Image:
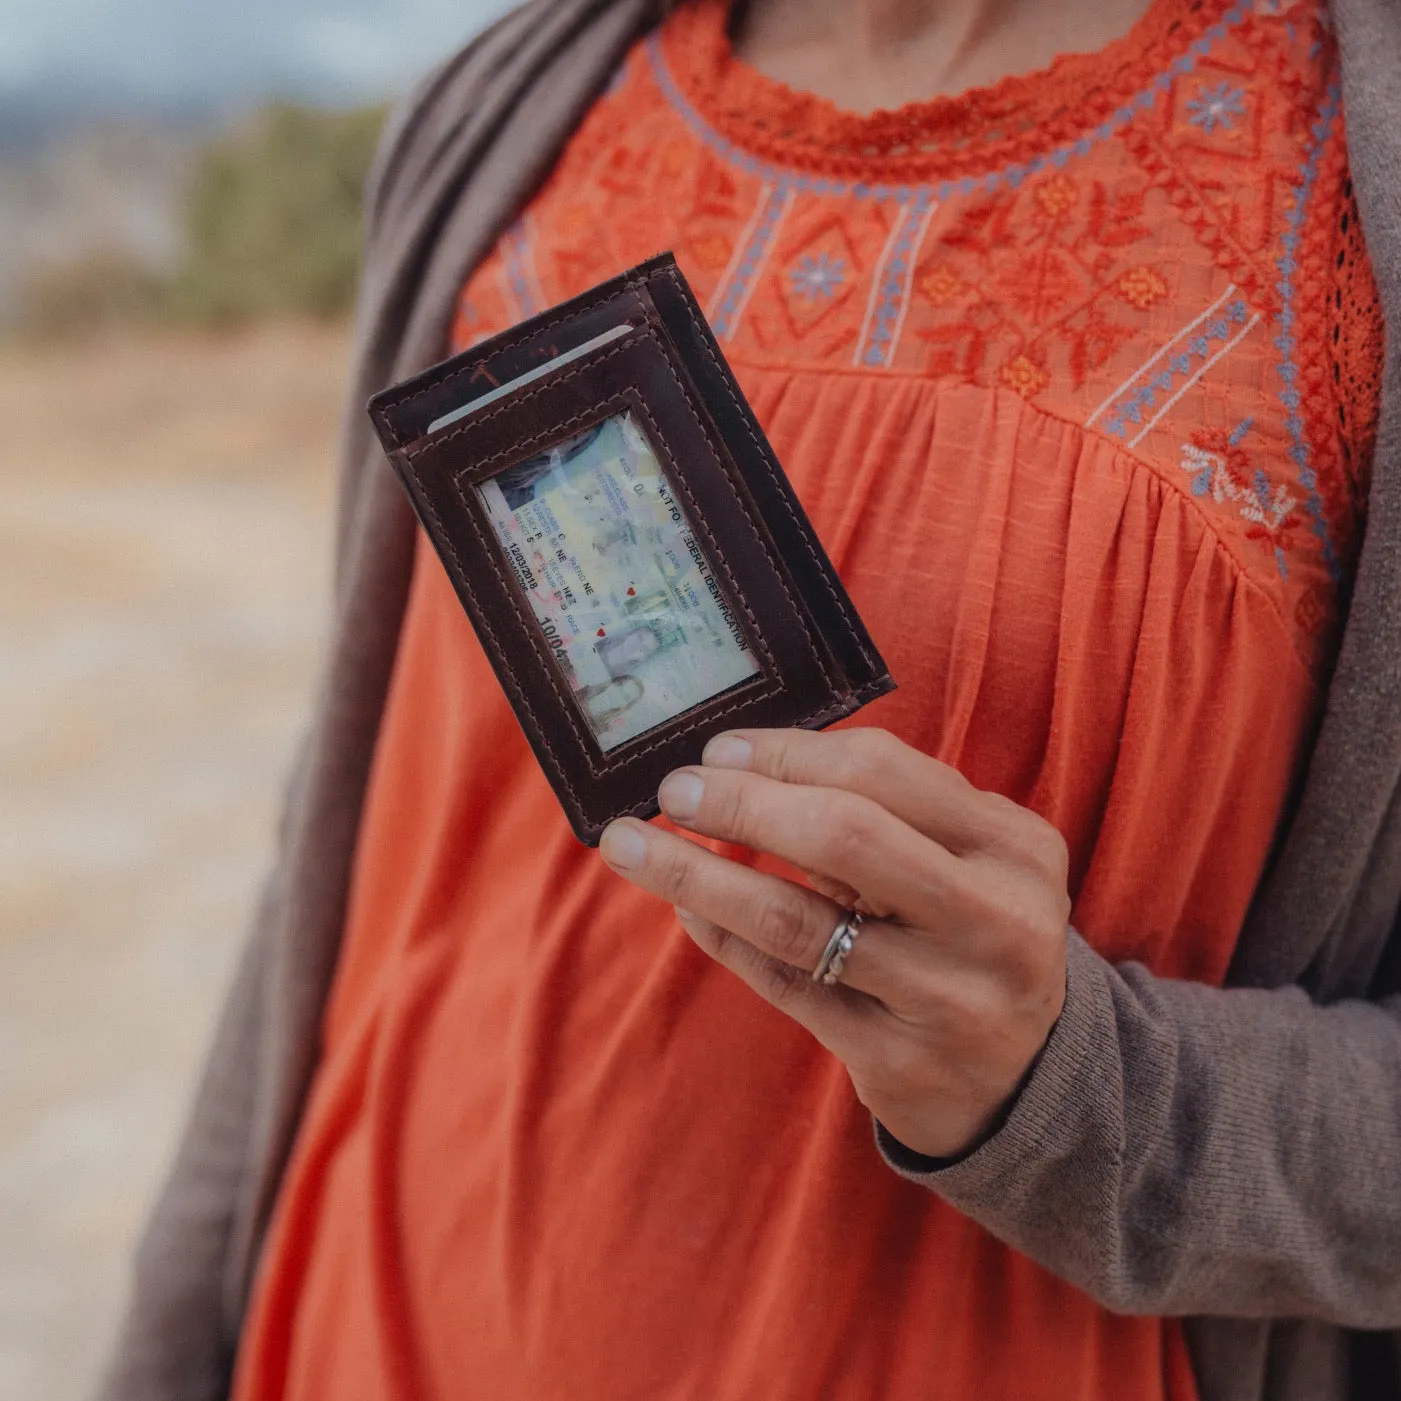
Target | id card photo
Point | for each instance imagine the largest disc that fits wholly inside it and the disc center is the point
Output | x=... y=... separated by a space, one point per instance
x=635 y=618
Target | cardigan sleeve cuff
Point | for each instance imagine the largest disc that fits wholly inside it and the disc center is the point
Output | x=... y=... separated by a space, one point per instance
x=1019 y=1138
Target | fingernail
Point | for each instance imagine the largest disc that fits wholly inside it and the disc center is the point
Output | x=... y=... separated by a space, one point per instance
x=680 y=795
x=623 y=846
x=728 y=752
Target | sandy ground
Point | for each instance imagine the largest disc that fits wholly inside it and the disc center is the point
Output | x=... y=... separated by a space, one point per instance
x=164 y=569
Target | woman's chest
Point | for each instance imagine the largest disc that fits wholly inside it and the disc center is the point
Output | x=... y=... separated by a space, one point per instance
x=1184 y=281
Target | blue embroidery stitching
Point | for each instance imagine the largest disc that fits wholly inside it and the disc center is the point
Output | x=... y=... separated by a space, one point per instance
x=1218 y=106
x=1267 y=506
x=737 y=293
x=817 y=279
x=1130 y=409
x=1285 y=342
x=1202 y=480
x=894 y=287
x=787 y=182
x=515 y=250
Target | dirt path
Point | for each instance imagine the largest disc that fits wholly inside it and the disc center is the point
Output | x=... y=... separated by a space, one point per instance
x=164 y=533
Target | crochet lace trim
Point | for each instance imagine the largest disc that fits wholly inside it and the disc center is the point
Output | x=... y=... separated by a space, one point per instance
x=978 y=130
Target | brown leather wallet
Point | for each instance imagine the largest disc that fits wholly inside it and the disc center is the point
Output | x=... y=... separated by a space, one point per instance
x=624 y=541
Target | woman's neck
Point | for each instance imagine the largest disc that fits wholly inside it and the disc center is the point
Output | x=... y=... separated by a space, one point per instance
x=869 y=54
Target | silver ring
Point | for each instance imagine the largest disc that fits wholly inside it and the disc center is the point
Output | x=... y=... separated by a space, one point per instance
x=838 y=950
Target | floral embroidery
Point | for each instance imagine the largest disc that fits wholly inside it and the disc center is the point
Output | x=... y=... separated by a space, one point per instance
x=1220 y=468
x=1141 y=254
x=1218 y=106
x=943 y=286
x=1038 y=274
x=1057 y=196
x=817 y=279
x=1027 y=378
x=1140 y=287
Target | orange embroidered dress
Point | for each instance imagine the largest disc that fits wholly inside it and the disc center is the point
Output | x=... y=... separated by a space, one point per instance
x=1072 y=376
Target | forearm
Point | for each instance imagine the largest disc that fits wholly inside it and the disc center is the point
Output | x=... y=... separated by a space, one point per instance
x=1181 y=1149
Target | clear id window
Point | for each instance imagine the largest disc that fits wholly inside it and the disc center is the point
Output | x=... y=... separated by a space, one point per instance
x=625 y=595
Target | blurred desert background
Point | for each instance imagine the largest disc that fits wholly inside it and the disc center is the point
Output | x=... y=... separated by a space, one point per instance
x=178 y=245
x=163 y=586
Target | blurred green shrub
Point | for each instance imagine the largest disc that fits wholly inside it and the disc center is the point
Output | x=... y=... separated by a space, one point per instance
x=273 y=218
x=270 y=226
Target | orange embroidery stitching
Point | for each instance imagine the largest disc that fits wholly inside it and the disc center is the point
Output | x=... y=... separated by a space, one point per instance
x=1153 y=242
x=1026 y=378
x=1140 y=287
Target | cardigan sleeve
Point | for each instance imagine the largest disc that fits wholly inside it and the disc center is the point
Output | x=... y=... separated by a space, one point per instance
x=175 y=1344
x=1183 y=1149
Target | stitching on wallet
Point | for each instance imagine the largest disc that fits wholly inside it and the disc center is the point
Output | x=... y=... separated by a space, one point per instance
x=837 y=710
x=787 y=505
x=528 y=626
x=689 y=727
x=535 y=328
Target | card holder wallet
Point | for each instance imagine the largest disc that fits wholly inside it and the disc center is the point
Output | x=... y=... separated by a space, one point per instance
x=624 y=541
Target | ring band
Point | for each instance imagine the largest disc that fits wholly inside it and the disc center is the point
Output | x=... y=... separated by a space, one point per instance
x=838 y=950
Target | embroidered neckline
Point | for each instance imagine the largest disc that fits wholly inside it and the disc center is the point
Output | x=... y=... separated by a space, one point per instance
x=982 y=129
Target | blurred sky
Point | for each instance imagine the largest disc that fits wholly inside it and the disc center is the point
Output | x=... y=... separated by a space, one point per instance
x=93 y=57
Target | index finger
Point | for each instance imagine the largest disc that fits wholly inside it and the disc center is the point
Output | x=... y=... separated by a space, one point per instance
x=932 y=797
x=840 y=835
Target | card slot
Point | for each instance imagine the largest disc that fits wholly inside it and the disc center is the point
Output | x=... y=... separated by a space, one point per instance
x=567 y=357
x=404 y=414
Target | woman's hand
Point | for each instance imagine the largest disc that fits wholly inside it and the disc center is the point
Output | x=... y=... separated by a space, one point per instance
x=958 y=973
